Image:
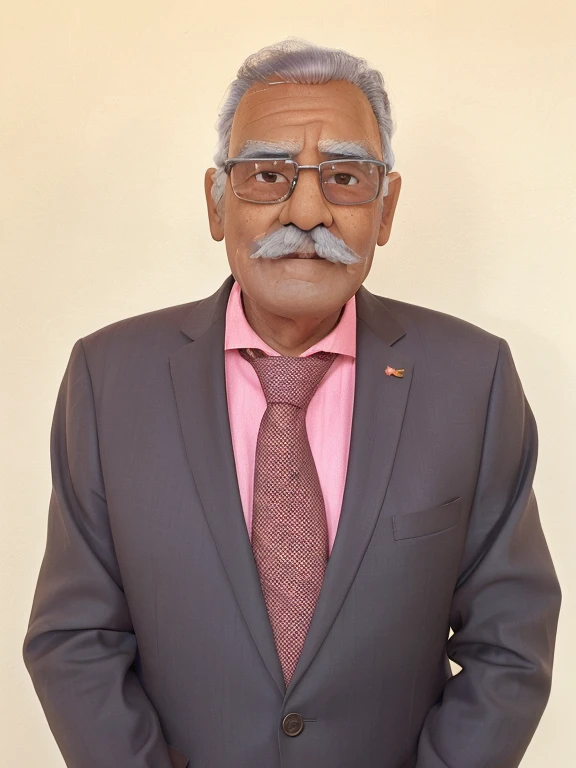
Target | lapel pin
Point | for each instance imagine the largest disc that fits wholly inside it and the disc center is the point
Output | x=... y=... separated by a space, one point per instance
x=389 y=371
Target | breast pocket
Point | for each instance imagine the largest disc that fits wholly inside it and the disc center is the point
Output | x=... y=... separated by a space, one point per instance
x=428 y=521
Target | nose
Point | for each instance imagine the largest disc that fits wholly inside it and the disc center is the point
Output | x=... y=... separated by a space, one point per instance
x=306 y=207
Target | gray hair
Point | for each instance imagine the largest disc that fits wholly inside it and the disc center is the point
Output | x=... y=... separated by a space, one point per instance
x=298 y=61
x=291 y=239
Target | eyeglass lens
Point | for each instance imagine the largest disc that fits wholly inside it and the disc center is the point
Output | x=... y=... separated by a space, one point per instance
x=344 y=182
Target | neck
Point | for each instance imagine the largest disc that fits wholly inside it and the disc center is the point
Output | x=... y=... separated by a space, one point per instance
x=288 y=336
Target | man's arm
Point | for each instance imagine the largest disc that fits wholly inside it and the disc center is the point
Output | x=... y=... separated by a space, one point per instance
x=506 y=602
x=80 y=644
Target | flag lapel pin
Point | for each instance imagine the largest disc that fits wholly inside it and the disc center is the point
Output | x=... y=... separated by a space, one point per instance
x=389 y=371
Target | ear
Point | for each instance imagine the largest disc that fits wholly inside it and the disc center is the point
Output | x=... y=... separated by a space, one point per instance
x=394 y=184
x=215 y=219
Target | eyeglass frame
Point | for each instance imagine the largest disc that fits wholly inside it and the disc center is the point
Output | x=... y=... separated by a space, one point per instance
x=297 y=167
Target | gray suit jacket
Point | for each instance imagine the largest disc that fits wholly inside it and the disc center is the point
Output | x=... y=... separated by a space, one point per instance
x=149 y=628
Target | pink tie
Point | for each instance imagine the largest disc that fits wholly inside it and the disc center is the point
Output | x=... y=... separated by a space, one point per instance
x=289 y=531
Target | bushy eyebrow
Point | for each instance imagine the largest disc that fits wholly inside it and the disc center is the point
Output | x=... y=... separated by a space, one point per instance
x=341 y=148
x=281 y=149
x=286 y=149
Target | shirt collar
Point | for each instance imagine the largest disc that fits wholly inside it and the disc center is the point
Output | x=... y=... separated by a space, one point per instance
x=239 y=333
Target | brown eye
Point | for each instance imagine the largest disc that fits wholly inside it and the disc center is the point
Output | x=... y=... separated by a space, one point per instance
x=268 y=177
x=341 y=177
x=344 y=178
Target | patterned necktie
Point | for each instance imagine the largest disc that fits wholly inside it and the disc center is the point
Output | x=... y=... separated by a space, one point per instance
x=289 y=531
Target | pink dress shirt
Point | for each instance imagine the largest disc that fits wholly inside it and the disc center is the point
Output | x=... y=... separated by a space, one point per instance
x=329 y=415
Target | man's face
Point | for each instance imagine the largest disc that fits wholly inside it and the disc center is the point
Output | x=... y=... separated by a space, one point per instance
x=305 y=116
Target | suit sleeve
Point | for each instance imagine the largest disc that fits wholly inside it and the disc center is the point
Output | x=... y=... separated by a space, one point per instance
x=80 y=646
x=505 y=605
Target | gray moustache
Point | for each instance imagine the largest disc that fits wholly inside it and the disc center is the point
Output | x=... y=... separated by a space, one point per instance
x=292 y=239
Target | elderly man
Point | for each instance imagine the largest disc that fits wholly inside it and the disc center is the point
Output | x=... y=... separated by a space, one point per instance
x=271 y=506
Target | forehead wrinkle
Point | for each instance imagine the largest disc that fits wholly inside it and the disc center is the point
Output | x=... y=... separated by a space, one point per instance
x=250 y=110
x=298 y=97
x=298 y=107
x=303 y=119
x=283 y=111
x=358 y=97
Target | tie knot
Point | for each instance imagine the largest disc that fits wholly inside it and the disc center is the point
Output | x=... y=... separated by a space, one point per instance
x=292 y=380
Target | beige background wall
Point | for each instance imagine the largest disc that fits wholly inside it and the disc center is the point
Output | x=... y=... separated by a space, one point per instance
x=107 y=112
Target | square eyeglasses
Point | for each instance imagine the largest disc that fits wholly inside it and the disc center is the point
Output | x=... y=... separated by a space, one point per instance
x=269 y=180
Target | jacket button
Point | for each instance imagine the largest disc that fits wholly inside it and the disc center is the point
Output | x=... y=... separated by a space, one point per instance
x=293 y=724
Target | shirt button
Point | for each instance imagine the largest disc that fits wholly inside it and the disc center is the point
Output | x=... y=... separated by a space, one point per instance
x=293 y=724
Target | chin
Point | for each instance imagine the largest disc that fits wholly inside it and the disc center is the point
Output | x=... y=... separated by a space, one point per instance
x=301 y=299
x=317 y=289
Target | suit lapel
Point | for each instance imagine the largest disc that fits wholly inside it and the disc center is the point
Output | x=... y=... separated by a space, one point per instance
x=379 y=406
x=197 y=371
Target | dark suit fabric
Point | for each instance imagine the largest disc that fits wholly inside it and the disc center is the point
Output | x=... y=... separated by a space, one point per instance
x=149 y=628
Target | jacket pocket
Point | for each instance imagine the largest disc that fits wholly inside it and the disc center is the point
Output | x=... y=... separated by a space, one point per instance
x=177 y=758
x=433 y=520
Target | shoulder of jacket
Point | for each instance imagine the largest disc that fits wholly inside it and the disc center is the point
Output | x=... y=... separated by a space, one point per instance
x=434 y=325
x=147 y=328
x=141 y=342
x=439 y=342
